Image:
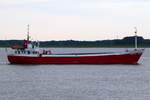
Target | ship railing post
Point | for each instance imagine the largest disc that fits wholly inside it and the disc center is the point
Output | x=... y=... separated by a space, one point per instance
x=6 y=46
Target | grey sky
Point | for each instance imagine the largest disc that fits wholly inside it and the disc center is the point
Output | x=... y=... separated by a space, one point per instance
x=74 y=19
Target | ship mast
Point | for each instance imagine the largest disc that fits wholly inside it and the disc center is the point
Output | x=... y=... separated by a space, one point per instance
x=28 y=37
x=135 y=38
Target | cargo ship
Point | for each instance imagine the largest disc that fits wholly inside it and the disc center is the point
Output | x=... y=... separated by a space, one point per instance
x=30 y=53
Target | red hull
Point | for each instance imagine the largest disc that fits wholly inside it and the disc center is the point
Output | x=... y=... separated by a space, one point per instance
x=102 y=59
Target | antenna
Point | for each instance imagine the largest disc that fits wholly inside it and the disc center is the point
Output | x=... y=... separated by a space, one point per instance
x=28 y=32
x=135 y=37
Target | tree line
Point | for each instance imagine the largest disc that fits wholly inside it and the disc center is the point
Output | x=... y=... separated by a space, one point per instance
x=125 y=42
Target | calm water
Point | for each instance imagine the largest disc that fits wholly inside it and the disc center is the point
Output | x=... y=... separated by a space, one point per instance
x=75 y=82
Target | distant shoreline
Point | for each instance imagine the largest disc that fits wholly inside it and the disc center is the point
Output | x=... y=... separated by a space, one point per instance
x=2 y=46
x=126 y=42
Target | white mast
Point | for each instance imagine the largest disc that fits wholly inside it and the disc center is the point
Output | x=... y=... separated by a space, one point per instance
x=28 y=33
x=135 y=38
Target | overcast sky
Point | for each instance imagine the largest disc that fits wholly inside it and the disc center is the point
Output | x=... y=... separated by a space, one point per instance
x=74 y=19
